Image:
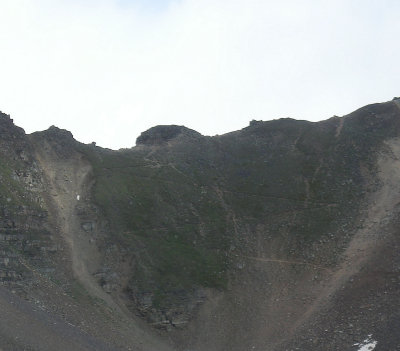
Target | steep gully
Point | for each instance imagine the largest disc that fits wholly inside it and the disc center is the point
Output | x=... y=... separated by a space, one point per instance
x=68 y=184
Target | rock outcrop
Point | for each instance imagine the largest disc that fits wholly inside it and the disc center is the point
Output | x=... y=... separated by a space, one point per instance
x=162 y=134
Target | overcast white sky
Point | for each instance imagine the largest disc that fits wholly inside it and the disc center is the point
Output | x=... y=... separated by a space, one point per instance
x=109 y=69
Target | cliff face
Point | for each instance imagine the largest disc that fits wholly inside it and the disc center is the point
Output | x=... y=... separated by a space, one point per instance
x=24 y=236
x=280 y=236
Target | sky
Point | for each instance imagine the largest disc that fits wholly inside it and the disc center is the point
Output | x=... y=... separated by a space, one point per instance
x=109 y=69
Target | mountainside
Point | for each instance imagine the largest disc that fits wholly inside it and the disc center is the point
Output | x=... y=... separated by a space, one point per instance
x=281 y=236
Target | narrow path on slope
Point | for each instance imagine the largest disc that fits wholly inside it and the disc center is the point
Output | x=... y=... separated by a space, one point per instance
x=271 y=260
x=339 y=127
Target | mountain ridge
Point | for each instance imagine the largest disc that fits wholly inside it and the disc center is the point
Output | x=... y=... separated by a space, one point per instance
x=264 y=238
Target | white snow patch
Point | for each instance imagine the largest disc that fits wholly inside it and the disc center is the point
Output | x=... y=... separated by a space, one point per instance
x=367 y=345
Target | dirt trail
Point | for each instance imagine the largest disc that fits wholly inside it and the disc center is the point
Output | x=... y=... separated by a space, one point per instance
x=69 y=184
x=269 y=260
x=339 y=127
x=367 y=239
